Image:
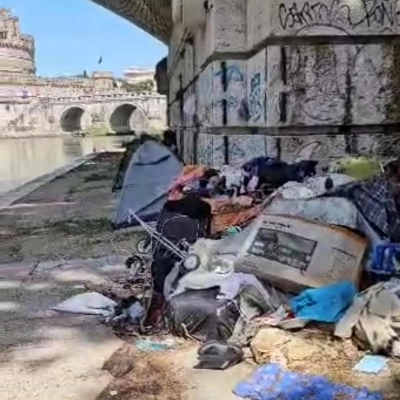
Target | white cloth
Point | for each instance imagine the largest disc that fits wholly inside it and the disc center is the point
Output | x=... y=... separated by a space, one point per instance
x=312 y=187
x=374 y=318
x=91 y=303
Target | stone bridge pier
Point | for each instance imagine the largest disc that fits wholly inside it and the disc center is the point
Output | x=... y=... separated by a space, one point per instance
x=277 y=77
x=283 y=77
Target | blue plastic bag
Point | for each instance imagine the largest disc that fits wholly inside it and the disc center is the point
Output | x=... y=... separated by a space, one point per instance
x=272 y=382
x=325 y=304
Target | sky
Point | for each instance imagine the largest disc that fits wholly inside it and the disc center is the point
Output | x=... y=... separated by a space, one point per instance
x=72 y=35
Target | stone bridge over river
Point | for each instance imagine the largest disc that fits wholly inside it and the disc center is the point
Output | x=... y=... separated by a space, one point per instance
x=117 y=113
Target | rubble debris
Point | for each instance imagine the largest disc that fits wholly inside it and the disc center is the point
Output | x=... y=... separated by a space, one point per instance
x=148 y=345
x=153 y=376
x=371 y=364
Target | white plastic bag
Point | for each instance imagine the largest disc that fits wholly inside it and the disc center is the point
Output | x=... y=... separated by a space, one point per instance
x=91 y=303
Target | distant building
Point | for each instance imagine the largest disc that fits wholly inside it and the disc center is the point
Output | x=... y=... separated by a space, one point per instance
x=135 y=75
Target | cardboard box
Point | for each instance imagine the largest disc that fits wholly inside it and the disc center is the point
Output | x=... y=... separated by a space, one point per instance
x=295 y=254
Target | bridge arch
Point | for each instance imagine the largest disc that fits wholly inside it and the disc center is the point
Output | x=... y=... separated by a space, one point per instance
x=75 y=118
x=128 y=117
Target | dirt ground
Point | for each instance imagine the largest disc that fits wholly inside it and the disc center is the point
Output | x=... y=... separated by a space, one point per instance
x=46 y=355
x=53 y=242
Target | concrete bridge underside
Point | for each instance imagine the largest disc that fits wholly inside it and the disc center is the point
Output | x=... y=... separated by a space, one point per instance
x=153 y=16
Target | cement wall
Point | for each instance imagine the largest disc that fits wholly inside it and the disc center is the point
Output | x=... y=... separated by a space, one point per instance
x=264 y=77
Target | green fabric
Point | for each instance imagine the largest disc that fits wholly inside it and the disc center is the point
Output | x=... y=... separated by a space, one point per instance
x=357 y=167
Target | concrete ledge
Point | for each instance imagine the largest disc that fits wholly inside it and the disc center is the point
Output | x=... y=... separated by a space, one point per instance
x=14 y=195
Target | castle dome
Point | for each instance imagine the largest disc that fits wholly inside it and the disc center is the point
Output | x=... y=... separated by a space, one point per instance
x=17 y=51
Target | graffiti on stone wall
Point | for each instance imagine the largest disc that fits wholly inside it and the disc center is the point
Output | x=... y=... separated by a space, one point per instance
x=205 y=90
x=222 y=89
x=233 y=74
x=326 y=83
x=256 y=100
x=230 y=94
x=383 y=15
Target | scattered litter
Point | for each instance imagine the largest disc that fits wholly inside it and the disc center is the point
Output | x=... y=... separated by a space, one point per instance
x=136 y=312
x=256 y=235
x=371 y=364
x=88 y=303
x=149 y=345
x=372 y=319
x=271 y=382
x=218 y=356
x=325 y=304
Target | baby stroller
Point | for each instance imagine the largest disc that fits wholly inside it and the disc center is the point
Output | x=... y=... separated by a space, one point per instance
x=169 y=241
x=162 y=239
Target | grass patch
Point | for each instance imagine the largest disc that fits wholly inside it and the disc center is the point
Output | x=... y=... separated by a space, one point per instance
x=79 y=226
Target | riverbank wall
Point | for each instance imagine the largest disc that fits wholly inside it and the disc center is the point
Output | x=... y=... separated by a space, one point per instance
x=23 y=190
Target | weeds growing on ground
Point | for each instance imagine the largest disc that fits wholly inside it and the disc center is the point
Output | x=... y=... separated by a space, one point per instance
x=76 y=226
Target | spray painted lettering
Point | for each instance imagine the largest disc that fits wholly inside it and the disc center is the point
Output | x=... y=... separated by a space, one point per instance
x=381 y=14
x=255 y=102
x=233 y=74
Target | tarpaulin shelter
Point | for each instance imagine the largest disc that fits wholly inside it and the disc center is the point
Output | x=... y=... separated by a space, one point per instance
x=148 y=178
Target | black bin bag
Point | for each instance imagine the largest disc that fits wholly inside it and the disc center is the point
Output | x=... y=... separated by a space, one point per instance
x=202 y=315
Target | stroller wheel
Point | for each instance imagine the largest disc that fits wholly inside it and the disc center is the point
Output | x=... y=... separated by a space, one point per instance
x=192 y=262
x=144 y=246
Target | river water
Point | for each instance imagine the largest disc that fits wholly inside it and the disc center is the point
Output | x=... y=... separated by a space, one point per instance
x=22 y=160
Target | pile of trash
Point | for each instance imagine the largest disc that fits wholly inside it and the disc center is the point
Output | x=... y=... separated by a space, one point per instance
x=237 y=253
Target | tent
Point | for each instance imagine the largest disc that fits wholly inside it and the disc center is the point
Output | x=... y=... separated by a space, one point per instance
x=148 y=178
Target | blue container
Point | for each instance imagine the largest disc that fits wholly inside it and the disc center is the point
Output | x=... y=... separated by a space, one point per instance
x=383 y=259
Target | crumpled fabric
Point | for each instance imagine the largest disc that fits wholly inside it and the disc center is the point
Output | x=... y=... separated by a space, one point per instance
x=327 y=210
x=233 y=176
x=375 y=199
x=374 y=318
x=255 y=298
x=312 y=187
x=190 y=175
x=357 y=167
x=89 y=304
x=271 y=382
x=331 y=210
x=324 y=304
x=230 y=286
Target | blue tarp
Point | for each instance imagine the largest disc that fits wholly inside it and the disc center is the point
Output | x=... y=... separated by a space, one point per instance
x=151 y=172
x=272 y=382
